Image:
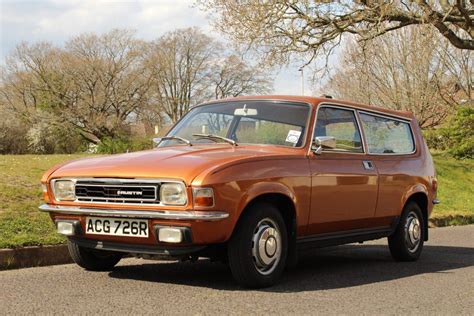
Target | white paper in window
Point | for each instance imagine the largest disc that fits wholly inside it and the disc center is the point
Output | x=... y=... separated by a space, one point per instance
x=293 y=136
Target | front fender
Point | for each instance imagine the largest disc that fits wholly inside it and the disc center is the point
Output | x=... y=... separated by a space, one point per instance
x=238 y=184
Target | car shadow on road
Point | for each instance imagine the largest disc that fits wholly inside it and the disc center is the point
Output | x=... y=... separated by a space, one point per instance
x=322 y=269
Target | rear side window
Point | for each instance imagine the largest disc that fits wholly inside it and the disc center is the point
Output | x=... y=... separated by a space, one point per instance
x=387 y=136
x=340 y=124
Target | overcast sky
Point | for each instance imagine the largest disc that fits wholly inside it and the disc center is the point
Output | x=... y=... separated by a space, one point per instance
x=58 y=20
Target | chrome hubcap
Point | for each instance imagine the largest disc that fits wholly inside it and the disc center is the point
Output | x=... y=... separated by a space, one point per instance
x=266 y=246
x=413 y=232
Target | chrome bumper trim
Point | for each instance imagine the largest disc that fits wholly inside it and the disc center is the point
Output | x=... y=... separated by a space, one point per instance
x=158 y=214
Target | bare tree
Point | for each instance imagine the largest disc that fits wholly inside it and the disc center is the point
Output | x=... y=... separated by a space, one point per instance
x=232 y=77
x=22 y=78
x=94 y=84
x=280 y=28
x=180 y=62
x=100 y=86
x=410 y=69
x=460 y=68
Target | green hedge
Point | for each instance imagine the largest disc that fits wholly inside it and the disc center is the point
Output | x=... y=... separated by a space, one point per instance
x=122 y=145
x=456 y=136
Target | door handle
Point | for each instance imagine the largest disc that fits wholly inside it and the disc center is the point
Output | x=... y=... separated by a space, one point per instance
x=368 y=165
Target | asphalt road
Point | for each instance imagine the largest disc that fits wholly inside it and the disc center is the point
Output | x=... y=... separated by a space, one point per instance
x=353 y=279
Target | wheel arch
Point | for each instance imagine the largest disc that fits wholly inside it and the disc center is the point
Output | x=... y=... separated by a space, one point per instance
x=281 y=201
x=287 y=208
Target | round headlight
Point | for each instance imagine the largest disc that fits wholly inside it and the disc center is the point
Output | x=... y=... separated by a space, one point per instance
x=64 y=190
x=173 y=194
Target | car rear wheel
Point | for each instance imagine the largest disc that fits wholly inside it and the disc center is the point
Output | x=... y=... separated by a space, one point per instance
x=406 y=243
x=91 y=259
x=258 y=248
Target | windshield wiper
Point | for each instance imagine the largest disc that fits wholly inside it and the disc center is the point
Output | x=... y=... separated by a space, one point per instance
x=214 y=137
x=181 y=139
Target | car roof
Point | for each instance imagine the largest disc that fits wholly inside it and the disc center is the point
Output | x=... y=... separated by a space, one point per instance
x=315 y=101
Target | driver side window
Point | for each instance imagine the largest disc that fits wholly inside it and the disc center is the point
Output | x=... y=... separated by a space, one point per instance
x=342 y=125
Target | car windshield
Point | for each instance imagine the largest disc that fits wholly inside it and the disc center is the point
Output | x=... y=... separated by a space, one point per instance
x=244 y=122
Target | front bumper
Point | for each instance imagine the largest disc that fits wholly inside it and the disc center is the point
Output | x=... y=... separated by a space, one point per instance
x=205 y=227
x=158 y=214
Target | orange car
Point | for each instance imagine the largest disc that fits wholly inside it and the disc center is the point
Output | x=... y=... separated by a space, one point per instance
x=251 y=181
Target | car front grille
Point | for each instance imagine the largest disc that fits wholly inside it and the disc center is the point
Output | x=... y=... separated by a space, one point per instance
x=117 y=191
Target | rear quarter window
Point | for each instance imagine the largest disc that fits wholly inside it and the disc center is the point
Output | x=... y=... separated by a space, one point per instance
x=387 y=136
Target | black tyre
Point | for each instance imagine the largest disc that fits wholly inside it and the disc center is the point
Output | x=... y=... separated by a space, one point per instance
x=406 y=243
x=91 y=259
x=258 y=248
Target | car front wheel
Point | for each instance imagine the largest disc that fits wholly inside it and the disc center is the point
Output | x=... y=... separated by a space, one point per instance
x=258 y=248
x=91 y=259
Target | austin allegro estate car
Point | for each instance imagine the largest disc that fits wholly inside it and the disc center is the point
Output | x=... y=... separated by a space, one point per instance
x=252 y=182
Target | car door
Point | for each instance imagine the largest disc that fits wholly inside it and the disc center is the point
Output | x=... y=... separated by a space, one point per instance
x=390 y=141
x=343 y=179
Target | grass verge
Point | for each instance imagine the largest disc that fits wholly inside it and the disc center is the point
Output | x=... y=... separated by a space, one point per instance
x=455 y=186
x=21 y=224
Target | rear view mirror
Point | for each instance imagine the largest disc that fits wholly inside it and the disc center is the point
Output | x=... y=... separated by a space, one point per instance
x=323 y=142
x=245 y=111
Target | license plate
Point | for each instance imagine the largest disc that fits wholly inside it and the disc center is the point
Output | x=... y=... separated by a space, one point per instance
x=117 y=227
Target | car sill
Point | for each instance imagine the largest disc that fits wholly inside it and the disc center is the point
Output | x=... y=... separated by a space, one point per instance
x=341 y=238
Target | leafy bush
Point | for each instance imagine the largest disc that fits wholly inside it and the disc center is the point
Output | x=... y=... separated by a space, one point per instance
x=123 y=144
x=456 y=136
x=13 y=137
x=44 y=138
x=436 y=138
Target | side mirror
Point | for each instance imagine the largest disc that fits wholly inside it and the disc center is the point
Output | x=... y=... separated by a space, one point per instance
x=322 y=142
x=157 y=141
